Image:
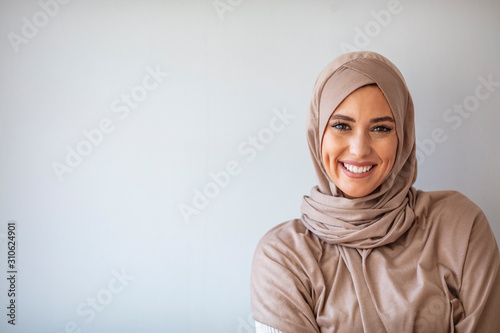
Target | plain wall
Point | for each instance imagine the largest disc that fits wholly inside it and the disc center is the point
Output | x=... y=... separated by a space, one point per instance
x=101 y=243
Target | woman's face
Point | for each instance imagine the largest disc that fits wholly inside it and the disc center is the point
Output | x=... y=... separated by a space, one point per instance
x=360 y=142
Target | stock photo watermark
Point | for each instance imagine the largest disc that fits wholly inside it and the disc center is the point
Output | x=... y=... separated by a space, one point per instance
x=224 y=6
x=455 y=116
x=88 y=309
x=249 y=149
x=31 y=27
x=12 y=272
x=372 y=28
x=93 y=137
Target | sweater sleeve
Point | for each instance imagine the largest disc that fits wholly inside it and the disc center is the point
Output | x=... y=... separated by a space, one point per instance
x=261 y=328
x=480 y=287
x=280 y=287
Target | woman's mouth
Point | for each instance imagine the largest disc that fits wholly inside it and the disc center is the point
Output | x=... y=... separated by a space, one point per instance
x=357 y=171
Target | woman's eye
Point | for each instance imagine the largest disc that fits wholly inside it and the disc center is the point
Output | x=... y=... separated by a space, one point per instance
x=382 y=129
x=341 y=126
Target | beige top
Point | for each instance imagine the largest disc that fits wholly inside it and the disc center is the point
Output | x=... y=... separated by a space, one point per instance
x=397 y=260
x=442 y=275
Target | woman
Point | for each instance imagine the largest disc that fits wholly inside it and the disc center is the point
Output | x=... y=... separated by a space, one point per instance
x=371 y=253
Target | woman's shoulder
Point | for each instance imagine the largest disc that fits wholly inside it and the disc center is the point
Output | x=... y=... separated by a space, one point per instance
x=445 y=201
x=283 y=267
x=290 y=236
x=445 y=208
x=285 y=230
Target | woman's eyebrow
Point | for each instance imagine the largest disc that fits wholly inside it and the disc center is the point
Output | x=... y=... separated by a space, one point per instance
x=339 y=116
x=374 y=120
x=381 y=119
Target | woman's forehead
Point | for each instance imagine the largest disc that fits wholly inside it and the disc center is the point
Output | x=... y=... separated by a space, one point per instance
x=366 y=105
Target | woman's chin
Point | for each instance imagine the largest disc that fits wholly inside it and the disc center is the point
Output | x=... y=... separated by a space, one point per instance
x=354 y=193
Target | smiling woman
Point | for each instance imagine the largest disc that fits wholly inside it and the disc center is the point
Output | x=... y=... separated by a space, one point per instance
x=371 y=253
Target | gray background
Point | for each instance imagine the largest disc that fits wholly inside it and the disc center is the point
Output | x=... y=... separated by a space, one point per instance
x=230 y=69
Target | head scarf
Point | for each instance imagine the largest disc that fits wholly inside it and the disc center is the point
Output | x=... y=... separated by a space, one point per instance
x=382 y=216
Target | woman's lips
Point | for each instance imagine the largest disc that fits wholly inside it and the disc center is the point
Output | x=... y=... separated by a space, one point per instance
x=356 y=169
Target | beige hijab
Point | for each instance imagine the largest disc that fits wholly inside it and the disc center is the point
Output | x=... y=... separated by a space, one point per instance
x=384 y=215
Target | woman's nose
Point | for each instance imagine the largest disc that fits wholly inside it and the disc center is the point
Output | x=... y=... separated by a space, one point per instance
x=360 y=145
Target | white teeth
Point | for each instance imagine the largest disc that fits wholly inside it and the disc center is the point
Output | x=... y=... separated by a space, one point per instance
x=356 y=169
